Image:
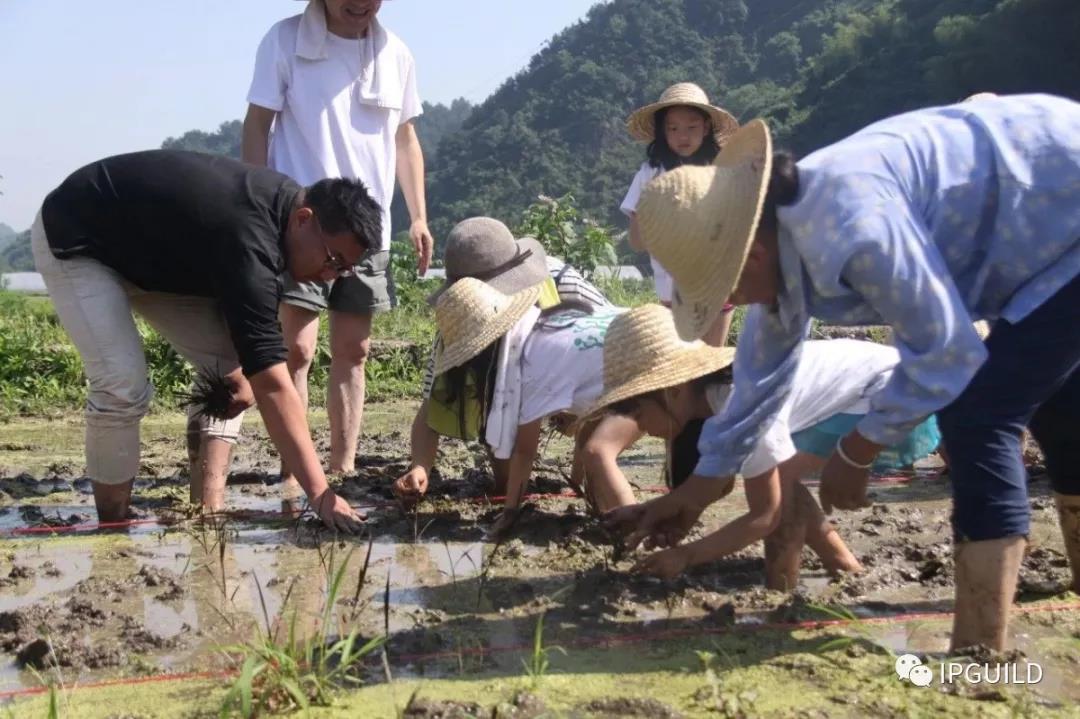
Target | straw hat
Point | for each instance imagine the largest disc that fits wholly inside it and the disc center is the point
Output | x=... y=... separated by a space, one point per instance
x=471 y=315
x=699 y=223
x=643 y=353
x=484 y=248
x=641 y=126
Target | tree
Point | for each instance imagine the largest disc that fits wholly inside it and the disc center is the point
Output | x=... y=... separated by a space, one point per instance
x=17 y=257
x=224 y=141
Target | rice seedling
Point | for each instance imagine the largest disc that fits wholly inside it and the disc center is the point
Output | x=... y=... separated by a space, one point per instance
x=538 y=663
x=712 y=679
x=210 y=394
x=361 y=580
x=54 y=703
x=296 y=673
x=54 y=682
x=212 y=537
x=857 y=625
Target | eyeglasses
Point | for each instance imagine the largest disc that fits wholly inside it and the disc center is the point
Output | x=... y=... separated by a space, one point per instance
x=338 y=264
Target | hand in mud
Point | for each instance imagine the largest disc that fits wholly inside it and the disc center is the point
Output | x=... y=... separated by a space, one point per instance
x=503 y=524
x=241 y=396
x=411 y=487
x=666 y=564
x=843 y=486
x=661 y=522
x=336 y=513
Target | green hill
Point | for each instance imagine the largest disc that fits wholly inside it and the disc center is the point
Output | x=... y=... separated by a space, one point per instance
x=436 y=121
x=16 y=255
x=817 y=70
x=6 y=235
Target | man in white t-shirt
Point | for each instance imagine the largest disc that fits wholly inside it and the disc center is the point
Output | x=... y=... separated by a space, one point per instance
x=334 y=95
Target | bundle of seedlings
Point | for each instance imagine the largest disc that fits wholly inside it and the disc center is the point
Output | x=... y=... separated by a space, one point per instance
x=210 y=394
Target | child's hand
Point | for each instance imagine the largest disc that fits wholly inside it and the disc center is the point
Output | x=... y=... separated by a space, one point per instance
x=660 y=522
x=666 y=564
x=411 y=487
x=843 y=483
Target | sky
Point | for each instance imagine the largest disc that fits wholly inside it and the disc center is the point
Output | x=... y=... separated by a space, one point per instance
x=84 y=80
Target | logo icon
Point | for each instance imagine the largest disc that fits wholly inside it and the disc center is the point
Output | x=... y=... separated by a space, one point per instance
x=910 y=668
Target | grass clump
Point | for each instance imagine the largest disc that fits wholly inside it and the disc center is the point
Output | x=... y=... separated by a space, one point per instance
x=292 y=673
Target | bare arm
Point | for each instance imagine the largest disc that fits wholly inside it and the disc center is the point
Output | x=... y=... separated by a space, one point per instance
x=424 y=446
x=634 y=239
x=410 y=175
x=761 y=518
x=605 y=484
x=718 y=333
x=255 y=140
x=286 y=423
x=526 y=446
x=424 y=440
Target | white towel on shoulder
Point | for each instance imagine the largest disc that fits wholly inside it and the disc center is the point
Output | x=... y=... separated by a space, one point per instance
x=380 y=82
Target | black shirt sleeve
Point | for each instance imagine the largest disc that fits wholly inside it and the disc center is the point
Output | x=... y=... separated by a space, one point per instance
x=248 y=284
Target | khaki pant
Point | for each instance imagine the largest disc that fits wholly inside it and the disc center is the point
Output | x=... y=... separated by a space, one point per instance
x=95 y=306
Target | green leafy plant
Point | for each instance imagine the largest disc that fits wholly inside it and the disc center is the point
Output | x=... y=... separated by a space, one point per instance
x=412 y=292
x=291 y=673
x=565 y=233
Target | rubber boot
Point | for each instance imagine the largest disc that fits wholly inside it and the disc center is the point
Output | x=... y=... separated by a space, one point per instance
x=1068 y=506
x=986 y=574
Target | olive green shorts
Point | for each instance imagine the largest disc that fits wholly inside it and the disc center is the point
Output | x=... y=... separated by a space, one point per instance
x=368 y=291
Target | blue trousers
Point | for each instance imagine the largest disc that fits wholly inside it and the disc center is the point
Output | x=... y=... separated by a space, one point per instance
x=1031 y=379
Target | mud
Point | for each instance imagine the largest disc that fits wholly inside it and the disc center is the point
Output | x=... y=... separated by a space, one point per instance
x=626 y=707
x=168 y=597
x=522 y=705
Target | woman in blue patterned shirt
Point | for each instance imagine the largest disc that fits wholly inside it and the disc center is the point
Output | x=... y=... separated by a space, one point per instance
x=924 y=222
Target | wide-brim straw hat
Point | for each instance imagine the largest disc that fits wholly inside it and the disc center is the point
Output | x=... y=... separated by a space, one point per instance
x=643 y=353
x=484 y=248
x=699 y=222
x=642 y=126
x=471 y=315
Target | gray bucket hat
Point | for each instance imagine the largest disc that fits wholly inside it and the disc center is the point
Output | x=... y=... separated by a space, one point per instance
x=484 y=248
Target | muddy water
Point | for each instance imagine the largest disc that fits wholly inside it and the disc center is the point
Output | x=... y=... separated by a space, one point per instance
x=186 y=587
x=169 y=597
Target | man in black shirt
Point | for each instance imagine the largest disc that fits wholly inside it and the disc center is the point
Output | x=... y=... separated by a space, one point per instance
x=197 y=245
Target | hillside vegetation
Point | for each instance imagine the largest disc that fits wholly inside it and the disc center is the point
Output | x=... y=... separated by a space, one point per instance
x=817 y=70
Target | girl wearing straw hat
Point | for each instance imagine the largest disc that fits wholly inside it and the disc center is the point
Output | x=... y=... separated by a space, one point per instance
x=484 y=248
x=668 y=385
x=682 y=128
x=519 y=365
x=924 y=222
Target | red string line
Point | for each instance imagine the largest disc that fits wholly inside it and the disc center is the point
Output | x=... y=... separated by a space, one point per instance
x=581 y=643
x=374 y=506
